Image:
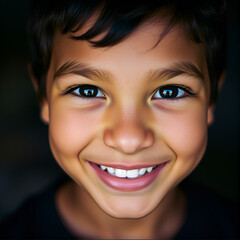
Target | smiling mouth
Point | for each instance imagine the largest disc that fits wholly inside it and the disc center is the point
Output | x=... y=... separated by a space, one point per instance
x=131 y=174
x=129 y=179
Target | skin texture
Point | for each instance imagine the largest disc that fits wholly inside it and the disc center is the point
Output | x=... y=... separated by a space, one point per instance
x=129 y=126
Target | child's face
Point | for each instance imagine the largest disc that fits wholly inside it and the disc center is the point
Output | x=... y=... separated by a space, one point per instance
x=128 y=123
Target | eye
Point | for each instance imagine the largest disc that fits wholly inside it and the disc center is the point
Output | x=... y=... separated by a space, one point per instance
x=172 y=92
x=86 y=91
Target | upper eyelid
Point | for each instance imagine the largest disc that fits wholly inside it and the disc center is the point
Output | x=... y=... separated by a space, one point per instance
x=182 y=87
x=70 y=91
x=72 y=88
x=186 y=89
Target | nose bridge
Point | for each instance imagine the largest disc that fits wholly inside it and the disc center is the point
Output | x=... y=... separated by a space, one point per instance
x=128 y=129
x=128 y=124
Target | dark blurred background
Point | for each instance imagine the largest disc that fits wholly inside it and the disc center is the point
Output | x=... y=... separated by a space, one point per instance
x=26 y=163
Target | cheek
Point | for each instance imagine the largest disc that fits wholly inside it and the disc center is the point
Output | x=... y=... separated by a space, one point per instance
x=190 y=135
x=186 y=134
x=70 y=130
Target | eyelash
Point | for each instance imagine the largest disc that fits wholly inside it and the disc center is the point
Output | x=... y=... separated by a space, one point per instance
x=169 y=89
x=174 y=89
x=83 y=88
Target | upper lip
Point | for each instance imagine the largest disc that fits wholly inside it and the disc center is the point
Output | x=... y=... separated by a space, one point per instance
x=127 y=167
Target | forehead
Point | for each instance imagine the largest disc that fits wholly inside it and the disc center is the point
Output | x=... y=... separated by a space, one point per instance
x=137 y=54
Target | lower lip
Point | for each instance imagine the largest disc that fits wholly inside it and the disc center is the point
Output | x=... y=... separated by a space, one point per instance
x=125 y=184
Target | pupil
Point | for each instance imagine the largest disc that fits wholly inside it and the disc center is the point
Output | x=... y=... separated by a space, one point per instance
x=169 y=92
x=88 y=91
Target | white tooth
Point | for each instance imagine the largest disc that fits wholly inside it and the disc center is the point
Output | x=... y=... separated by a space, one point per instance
x=142 y=171
x=110 y=170
x=103 y=167
x=132 y=173
x=120 y=173
x=149 y=169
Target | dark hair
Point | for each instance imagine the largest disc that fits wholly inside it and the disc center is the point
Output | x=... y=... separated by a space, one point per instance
x=203 y=21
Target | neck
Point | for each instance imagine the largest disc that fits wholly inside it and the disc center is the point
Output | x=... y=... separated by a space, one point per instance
x=81 y=216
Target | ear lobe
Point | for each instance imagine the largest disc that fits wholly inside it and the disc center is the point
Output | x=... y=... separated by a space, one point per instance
x=45 y=111
x=210 y=116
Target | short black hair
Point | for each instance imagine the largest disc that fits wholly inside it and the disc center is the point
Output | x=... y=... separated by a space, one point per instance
x=203 y=21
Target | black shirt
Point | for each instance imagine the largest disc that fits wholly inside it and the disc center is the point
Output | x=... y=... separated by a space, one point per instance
x=207 y=217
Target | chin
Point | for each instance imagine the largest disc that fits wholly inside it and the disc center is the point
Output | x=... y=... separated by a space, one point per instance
x=128 y=209
x=128 y=214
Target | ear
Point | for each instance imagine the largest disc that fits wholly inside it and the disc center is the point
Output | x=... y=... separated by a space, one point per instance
x=211 y=107
x=44 y=114
x=210 y=118
x=33 y=78
x=44 y=107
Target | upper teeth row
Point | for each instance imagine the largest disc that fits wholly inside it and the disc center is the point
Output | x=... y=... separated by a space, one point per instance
x=134 y=173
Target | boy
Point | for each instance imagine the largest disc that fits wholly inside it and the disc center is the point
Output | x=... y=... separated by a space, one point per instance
x=128 y=91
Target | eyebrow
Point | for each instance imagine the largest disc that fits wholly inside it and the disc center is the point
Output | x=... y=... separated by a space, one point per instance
x=174 y=70
x=78 y=68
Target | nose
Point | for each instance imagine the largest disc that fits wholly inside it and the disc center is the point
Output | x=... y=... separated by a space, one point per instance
x=128 y=133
